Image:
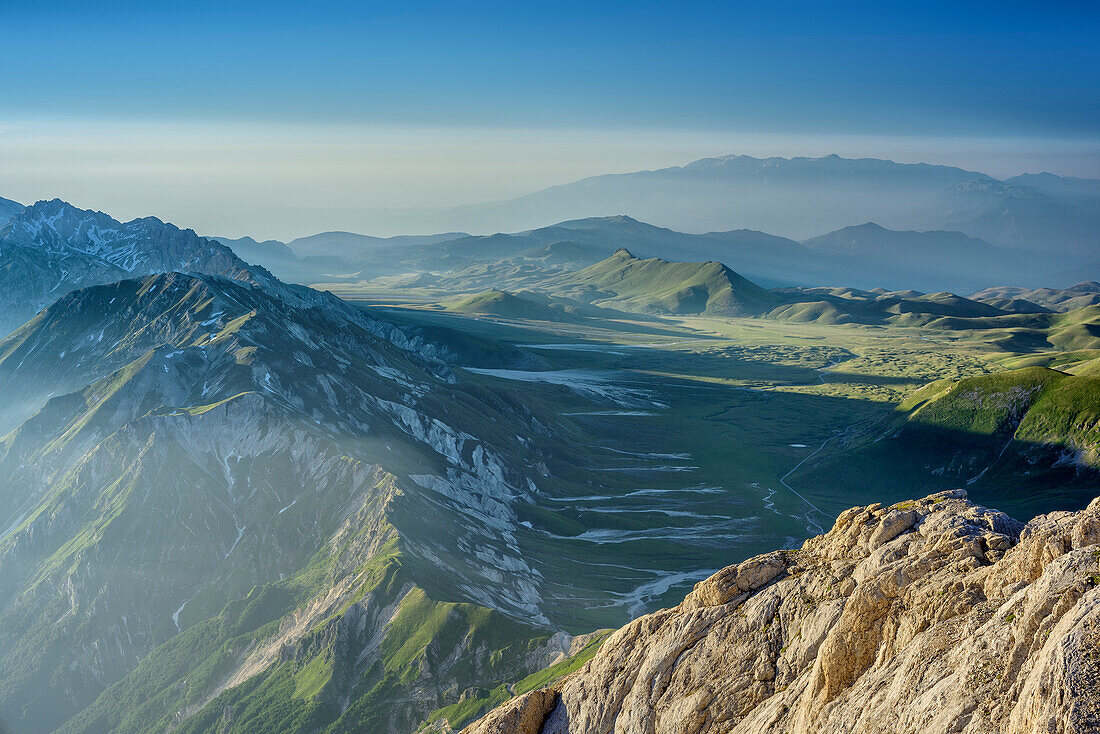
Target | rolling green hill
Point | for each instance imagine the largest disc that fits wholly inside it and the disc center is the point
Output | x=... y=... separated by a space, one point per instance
x=626 y=282
x=880 y=307
x=527 y=305
x=1032 y=332
x=502 y=303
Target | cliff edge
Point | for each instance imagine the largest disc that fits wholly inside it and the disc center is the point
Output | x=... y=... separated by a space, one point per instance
x=929 y=616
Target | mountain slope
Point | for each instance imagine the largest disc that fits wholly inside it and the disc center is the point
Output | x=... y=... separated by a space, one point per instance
x=1003 y=436
x=51 y=248
x=246 y=486
x=526 y=305
x=1014 y=215
x=935 y=260
x=198 y=437
x=9 y=210
x=626 y=282
x=930 y=616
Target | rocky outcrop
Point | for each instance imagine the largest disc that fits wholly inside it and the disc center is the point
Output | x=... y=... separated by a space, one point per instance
x=522 y=713
x=929 y=616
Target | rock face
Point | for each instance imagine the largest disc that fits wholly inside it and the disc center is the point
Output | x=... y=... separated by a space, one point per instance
x=930 y=616
x=52 y=248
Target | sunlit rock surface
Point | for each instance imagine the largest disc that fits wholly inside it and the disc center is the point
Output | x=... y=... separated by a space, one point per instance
x=936 y=615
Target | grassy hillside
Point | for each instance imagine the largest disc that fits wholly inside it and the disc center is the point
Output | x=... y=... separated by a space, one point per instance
x=1017 y=328
x=502 y=303
x=380 y=642
x=1028 y=439
x=877 y=307
x=1055 y=299
x=1032 y=332
x=657 y=286
x=528 y=305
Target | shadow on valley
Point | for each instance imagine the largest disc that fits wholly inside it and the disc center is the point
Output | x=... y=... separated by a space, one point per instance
x=1021 y=478
x=1023 y=441
x=504 y=328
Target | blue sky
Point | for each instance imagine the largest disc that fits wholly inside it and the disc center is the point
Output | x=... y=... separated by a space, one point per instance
x=662 y=79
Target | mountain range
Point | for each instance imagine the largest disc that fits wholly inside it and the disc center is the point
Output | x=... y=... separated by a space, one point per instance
x=803 y=197
x=234 y=504
x=235 y=436
x=51 y=248
x=626 y=283
x=863 y=256
x=941 y=219
x=231 y=502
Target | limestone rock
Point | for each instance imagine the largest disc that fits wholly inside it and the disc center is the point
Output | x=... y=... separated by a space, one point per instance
x=523 y=713
x=929 y=616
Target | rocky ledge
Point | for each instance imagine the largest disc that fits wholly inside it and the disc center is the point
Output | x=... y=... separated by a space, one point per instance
x=930 y=616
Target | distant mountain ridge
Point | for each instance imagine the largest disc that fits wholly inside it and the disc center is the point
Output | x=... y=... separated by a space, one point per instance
x=863 y=256
x=932 y=260
x=803 y=197
x=738 y=191
x=1016 y=215
x=871 y=240
x=52 y=247
x=355 y=247
x=248 y=248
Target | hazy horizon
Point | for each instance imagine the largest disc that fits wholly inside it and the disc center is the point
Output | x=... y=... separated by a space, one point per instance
x=282 y=182
x=277 y=120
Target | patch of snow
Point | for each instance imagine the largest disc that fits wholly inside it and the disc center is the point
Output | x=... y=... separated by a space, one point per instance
x=240 y=534
x=647 y=455
x=176 y=614
x=593 y=384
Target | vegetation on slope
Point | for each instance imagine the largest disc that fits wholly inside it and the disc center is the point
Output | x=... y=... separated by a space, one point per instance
x=654 y=285
x=380 y=656
x=1028 y=439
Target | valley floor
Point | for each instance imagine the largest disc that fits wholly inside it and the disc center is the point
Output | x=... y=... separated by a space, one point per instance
x=694 y=427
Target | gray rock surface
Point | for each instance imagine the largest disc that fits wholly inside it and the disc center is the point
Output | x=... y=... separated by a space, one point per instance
x=929 y=616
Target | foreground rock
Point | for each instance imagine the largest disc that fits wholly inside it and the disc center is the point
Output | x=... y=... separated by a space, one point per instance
x=929 y=616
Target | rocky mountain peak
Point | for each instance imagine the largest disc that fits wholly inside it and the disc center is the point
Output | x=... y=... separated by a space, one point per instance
x=52 y=247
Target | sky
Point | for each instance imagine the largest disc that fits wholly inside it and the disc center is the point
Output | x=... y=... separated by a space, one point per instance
x=281 y=119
